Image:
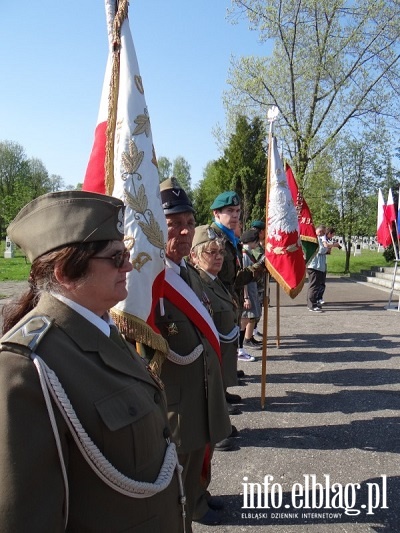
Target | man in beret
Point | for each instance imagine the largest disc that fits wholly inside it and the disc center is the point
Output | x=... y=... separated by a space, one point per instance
x=226 y=211
x=259 y=250
x=192 y=372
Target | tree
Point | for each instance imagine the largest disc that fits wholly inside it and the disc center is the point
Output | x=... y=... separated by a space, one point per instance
x=242 y=168
x=164 y=168
x=21 y=180
x=362 y=164
x=334 y=66
x=181 y=171
x=205 y=192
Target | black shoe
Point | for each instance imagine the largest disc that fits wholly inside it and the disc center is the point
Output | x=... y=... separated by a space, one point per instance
x=251 y=343
x=225 y=445
x=240 y=374
x=234 y=433
x=211 y=518
x=234 y=410
x=215 y=503
x=232 y=398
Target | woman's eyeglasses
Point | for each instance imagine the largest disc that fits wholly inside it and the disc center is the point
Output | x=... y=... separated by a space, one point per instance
x=214 y=253
x=118 y=259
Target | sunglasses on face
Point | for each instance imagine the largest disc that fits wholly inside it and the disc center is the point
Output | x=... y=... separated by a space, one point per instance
x=118 y=259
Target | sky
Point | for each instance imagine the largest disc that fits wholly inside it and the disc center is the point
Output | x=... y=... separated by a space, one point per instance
x=52 y=64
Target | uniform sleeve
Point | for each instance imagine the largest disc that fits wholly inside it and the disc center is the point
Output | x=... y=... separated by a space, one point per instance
x=32 y=492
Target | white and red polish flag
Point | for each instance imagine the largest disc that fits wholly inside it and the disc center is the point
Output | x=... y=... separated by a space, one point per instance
x=284 y=256
x=390 y=210
x=382 y=228
x=123 y=164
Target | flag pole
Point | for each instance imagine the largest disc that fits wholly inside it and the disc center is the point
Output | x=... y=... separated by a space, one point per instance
x=278 y=315
x=272 y=115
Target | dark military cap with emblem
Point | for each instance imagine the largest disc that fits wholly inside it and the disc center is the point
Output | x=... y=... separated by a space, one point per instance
x=173 y=198
x=225 y=199
x=259 y=224
x=67 y=217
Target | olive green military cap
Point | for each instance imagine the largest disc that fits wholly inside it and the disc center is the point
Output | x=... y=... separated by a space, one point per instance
x=225 y=199
x=203 y=234
x=173 y=198
x=62 y=218
x=259 y=224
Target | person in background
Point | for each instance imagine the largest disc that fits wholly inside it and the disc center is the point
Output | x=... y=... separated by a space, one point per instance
x=258 y=253
x=251 y=313
x=84 y=429
x=226 y=212
x=259 y=250
x=192 y=372
x=329 y=243
x=316 y=270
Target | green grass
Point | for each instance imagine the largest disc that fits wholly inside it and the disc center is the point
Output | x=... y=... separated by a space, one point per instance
x=367 y=259
x=14 y=269
x=17 y=268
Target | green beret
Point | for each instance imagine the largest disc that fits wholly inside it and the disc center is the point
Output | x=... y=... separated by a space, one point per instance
x=259 y=224
x=62 y=218
x=173 y=198
x=203 y=234
x=225 y=199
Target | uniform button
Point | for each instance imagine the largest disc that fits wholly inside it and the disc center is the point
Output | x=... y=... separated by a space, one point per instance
x=132 y=411
x=157 y=397
x=166 y=433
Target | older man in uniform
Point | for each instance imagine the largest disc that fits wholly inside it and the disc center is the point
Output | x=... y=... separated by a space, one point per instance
x=192 y=372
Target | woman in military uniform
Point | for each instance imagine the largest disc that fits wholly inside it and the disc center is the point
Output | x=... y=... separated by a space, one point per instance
x=208 y=255
x=84 y=436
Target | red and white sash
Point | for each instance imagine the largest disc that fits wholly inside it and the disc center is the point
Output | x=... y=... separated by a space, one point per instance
x=186 y=300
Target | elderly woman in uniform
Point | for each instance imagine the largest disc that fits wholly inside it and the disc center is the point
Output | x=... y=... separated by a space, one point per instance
x=207 y=254
x=84 y=436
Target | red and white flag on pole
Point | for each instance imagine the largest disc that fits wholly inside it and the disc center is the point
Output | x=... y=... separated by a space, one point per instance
x=382 y=229
x=390 y=211
x=123 y=164
x=398 y=215
x=308 y=236
x=283 y=251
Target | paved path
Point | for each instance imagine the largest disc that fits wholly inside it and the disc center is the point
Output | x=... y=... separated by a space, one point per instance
x=332 y=409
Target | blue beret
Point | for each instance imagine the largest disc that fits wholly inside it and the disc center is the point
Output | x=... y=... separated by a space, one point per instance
x=225 y=199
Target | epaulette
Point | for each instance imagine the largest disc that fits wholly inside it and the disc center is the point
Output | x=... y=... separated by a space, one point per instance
x=28 y=334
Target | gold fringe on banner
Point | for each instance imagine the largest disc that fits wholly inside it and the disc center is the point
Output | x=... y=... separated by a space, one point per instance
x=286 y=287
x=137 y=331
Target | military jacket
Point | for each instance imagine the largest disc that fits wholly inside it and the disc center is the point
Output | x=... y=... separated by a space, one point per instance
x=232 y=273
x=197 y=409
x=224 y=313
x=119 y=405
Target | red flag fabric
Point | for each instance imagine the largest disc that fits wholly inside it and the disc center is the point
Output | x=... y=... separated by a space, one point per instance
x=398 y=215
x=283 y=251
x=123 y=133
x=382 y=229
x=390 y=210
x=309 y=239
